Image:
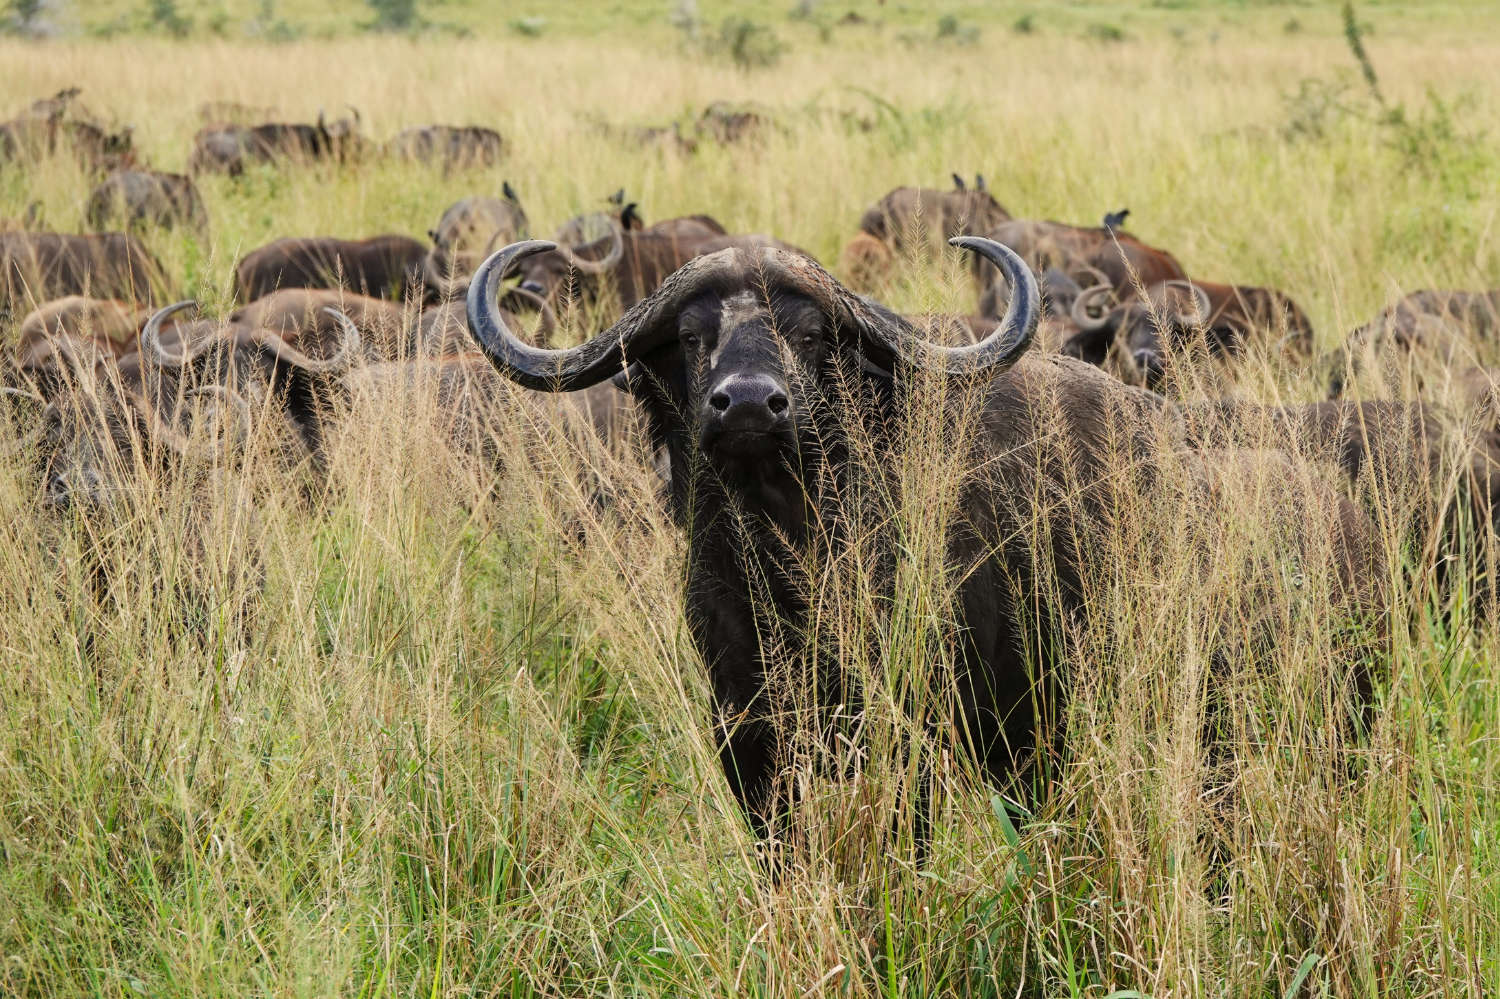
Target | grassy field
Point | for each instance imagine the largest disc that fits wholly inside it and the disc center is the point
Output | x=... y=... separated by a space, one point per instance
x=403 y=734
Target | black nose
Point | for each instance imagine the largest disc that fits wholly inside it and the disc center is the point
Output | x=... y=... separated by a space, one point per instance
x=1148 y=362
x=749 y=402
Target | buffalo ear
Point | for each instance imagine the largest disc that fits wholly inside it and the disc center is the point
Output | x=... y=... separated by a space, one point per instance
x=958 y=182
x=432 y=235
x=630 y=218
x=509 y=192
x=618 y=198
x=979 y=184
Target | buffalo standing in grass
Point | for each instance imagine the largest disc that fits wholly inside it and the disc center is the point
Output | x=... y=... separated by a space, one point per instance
x=229 y=149
x=468 y=231
x=384 y=266
x=914 y=218
x=140 y=199
x=1175 y=317
x=451 y=147
x=753 y=365
x=1438 y=327
x=37 y=267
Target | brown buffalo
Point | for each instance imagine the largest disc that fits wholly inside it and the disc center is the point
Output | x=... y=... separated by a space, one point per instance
x=229 y=148
x=384 y=266
x=313 y=320
x=467 y=232
x=37 y=267
x=1428 y=472
x=139 y=199
x=1174 y=317
x=104 y=417
x=1436 y=327
x=451 y=147
x=910 y=219
x=1091 y=257
x=113 y=324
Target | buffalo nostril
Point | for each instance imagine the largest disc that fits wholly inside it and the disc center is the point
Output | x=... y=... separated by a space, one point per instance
x=719 y=401
x=777 y=403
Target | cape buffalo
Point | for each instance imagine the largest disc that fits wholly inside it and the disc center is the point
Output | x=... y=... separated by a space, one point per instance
x=384 y=266
x=139 y=199
x=754 y=365
x=113 y=323
x=228 y=148
x=102 y=419
x=452 y=147
x=1175 y=316
x=36 y=267
x=1438 y=326
x=465 y=235
x=910 y=218
x=313 y=321
x=1432 y=473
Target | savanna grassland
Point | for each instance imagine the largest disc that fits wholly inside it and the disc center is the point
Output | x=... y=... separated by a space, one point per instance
x=405 y=725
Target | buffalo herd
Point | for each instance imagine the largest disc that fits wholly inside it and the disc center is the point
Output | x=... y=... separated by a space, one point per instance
x=736 y=365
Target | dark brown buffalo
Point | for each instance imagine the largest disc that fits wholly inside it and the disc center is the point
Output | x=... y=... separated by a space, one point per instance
x=467 y=232
x=37 y=267
x=228 y=148
x=102 y=417
x=451 y=147
x=1175 y=317
x=753 y=365
x=384 y=266
x=911 y=217
x=140 y=199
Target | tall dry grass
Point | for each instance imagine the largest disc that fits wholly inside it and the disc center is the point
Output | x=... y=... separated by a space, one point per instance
x=422 y=725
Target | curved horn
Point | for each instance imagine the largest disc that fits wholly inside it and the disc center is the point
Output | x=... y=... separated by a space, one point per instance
x=1082 y=314
x=151 y=345
x=995 y=352
x=1200 y=300
x=603 y=265
x=537 y=367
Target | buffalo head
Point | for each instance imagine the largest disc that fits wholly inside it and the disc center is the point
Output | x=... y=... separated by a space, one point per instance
x=734 y=353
